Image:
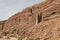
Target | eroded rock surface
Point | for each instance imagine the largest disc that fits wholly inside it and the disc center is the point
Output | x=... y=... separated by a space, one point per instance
x=41 y=20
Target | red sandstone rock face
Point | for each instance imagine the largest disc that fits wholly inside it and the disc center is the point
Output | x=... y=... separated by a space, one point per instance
x=36 y=20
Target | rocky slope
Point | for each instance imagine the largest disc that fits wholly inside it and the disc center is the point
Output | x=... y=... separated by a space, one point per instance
x=41 y=20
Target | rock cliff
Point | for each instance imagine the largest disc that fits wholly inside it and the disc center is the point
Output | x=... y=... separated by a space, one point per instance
x=41 y=20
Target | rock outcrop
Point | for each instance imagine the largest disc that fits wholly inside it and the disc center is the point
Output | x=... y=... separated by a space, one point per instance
x=41 y=20
x=2 y=24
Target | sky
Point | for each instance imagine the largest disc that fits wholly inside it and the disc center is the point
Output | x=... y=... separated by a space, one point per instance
x=11 y=7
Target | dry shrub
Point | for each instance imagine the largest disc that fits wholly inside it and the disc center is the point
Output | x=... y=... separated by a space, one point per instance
x=33 y=39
